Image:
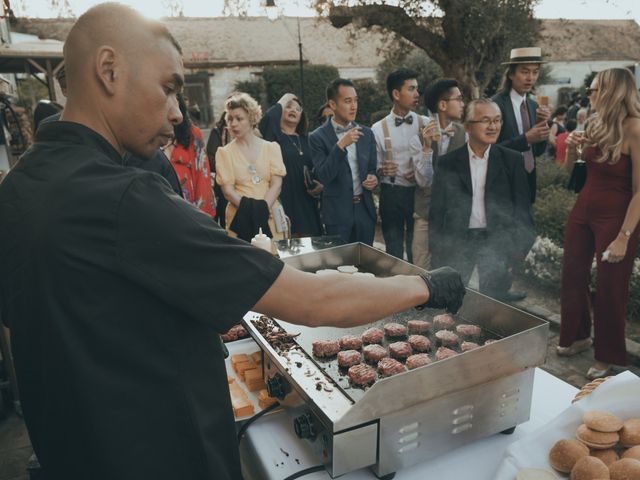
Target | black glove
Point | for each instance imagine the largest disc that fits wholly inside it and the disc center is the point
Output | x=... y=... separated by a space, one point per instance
x=446 y=289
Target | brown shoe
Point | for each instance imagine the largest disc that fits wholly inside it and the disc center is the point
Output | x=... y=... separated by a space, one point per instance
x=575 y=348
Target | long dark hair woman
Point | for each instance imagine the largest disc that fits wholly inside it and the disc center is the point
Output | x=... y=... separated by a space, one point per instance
x=286 y=124
x=603 y=222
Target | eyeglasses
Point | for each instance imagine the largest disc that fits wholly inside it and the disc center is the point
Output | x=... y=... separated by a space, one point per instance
x=295 y=107
x=454 y=99
x=486 y=121
x=591 y=90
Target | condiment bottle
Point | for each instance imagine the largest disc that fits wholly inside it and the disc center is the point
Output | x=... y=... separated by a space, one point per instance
x=261 y=241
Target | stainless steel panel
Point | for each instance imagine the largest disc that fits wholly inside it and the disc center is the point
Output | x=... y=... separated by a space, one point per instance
x=354 y=449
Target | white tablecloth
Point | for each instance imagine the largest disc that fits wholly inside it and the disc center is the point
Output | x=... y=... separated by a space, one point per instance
x=271 y=450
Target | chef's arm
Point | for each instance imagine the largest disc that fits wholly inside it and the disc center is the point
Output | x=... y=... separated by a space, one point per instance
x=339 y=299
x=344 y=300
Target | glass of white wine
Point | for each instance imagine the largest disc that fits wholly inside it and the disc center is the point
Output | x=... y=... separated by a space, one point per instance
x=580 y=146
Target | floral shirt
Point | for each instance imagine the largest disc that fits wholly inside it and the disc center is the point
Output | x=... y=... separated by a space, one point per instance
x=192 y=167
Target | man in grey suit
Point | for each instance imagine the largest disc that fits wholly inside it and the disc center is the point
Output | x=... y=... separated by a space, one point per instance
x=445 y=103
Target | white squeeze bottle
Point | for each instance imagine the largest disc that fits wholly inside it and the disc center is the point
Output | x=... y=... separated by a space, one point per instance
x=261 y=241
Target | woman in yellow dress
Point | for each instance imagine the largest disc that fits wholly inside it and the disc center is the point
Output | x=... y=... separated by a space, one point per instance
x=249 y=168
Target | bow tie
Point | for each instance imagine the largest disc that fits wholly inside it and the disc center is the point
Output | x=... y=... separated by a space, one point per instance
x=449 y=132
x=341 y=129
x=408 y=120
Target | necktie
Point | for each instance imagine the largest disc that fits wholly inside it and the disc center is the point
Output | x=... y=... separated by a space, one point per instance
x=408 y=120
x=529 y=161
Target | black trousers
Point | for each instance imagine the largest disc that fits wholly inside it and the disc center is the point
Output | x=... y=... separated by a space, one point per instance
x=480 y=249
x=396 y=212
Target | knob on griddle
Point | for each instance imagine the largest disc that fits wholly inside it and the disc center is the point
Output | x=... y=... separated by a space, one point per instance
x=277 y=386
x=303 y=426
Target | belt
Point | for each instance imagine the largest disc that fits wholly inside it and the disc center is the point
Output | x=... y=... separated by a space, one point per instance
x=477 y=233
x=358 y=198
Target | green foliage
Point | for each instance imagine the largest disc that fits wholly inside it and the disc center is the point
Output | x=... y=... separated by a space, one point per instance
x=551 y=210
x=30 y=92
x=550 y=173
x=279 y=80
x=371 y=102
x=255 y=88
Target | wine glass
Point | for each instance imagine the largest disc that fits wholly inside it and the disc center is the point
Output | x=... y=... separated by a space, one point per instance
x=580 y=146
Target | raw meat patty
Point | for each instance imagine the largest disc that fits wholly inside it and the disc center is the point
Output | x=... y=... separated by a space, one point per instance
x=418 y=326
x=466 y=346
x=372 y=335
x=418 y=360
x=350 y=342
x=400 y=350
x=325 y=348
x=348 y=358
x=389 y=366
x=443 y=321
x=395 y=330
x=444 y=352
x=447 y=338
x=469 y=331
x=362 y=375
x=419 y=343
x=374 y=353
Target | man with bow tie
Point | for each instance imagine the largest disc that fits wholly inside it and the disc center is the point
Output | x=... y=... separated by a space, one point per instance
x=398 y=145
x=344 y=160
x=444 y=101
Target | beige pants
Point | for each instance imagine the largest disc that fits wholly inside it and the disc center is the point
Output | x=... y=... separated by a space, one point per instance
x=420 y=244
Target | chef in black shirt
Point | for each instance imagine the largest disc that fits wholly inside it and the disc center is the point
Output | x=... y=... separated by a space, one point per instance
x=115 y=288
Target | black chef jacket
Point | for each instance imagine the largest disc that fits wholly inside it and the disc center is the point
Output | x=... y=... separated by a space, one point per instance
x=115 y=290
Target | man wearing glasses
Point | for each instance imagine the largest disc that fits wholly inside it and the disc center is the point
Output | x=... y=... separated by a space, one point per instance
x=480 y=213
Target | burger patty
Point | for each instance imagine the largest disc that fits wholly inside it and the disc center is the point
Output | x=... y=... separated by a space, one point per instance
x=395 y=330
x=374 y=353
x=348 y=358
x=419 y=343
x=418 y=326
x=466 y=346
x=443 y=321
x=444 y=352
x=325 y=348
x=469 y=330
x=372 y=335
x=388 y=367
x=362 y=374
x=418 y=360
x=400 y=350
x=350 y=342
x=447 y=338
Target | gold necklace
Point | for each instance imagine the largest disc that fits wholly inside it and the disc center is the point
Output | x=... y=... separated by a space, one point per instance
x=297 y=144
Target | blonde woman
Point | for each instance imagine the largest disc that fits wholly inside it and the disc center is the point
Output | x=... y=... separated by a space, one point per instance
x=603 y=222
x=249 y=171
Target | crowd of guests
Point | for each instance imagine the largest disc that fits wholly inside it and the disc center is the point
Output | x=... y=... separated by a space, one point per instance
x=456 y=186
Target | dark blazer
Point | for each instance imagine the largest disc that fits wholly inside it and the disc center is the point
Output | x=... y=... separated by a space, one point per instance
x=508 y=208
x=331 y=167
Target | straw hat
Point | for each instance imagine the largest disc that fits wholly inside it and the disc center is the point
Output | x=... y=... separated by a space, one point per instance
x=525 y=55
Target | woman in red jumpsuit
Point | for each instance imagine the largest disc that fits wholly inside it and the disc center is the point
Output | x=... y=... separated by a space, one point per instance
x=603 y=222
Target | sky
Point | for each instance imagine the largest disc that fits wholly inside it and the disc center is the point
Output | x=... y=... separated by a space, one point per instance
x=585 y=9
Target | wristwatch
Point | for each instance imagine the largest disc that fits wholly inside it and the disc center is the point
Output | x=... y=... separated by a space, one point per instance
x=626 y=233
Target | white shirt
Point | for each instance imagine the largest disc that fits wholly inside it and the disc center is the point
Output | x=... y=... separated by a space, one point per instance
x=478 y=166
x=405 y=144
x=516 y=101
x=352 y=158
x=445 y=140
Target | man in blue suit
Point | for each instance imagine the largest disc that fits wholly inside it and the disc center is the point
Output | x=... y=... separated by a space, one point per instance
x=344 y=160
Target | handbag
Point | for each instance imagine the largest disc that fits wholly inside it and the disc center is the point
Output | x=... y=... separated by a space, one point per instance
x=578 y=176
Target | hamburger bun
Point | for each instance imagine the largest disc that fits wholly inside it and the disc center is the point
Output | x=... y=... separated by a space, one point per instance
x=565 y=453
x=630 y=433
x=602 y=421
x=589 y=468
x=608 y=456
x=597 y=440
x=625 y=469
x=633 y=452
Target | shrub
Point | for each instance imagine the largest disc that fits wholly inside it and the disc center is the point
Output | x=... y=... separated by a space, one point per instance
x=371 y=100
x=255 y=88
x=550 y=211
x=550 y=173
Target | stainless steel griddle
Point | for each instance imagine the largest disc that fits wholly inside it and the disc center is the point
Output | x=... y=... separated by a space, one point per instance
x=411 y=417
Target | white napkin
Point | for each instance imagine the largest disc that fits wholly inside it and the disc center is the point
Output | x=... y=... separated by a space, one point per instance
x=619 y=395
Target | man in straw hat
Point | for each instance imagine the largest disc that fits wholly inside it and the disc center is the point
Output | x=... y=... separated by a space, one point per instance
x=525 y=122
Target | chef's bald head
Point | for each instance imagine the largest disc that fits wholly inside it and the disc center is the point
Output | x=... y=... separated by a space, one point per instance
x=114 y=25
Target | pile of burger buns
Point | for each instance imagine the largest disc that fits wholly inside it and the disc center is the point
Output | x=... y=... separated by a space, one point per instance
x=605 y=448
